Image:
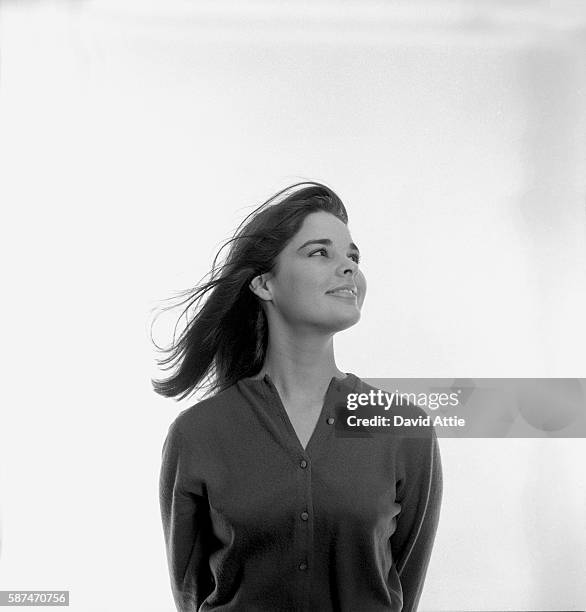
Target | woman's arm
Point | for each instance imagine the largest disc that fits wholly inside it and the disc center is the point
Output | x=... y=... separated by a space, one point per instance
x=419 y=492
x=184 y=515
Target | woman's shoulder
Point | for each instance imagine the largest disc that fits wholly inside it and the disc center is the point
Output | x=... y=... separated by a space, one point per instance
x=207 y=414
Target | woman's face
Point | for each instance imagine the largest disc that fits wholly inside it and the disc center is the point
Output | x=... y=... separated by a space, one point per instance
x=318 y=259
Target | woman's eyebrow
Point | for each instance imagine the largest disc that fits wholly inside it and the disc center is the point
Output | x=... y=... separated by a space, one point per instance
x=326 y=242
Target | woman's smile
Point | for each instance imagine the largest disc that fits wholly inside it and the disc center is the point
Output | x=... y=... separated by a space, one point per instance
x=345 y=294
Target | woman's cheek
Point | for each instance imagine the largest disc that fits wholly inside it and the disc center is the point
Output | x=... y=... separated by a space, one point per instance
x=361 y=285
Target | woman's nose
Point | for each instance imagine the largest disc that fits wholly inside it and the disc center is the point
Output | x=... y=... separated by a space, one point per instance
x=349 y=265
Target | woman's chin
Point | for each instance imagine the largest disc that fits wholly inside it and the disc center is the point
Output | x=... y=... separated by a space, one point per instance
x=340 y=322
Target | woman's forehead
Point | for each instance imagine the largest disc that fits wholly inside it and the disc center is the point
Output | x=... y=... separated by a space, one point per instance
x=320 y=225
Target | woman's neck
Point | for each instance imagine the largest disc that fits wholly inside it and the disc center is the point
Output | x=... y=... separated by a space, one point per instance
x=301 y=371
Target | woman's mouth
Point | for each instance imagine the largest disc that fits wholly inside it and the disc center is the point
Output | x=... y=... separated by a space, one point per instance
x=347 y=294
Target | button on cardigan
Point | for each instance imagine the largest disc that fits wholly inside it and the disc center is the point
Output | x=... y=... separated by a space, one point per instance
x=253 y=521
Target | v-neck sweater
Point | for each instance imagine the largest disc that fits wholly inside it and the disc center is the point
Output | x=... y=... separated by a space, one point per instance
x=253 y=521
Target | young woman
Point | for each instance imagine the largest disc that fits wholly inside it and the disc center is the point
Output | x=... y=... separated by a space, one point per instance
x=266 y=504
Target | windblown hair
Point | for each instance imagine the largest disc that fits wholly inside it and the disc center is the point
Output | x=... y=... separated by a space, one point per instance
x=226 y=339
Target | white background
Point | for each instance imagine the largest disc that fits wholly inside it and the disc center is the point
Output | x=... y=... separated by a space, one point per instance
x=135 y=136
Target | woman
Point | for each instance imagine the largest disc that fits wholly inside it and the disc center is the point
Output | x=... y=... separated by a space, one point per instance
x=266 y=503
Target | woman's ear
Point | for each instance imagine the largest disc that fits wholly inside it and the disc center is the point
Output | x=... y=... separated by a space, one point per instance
x=258 y=285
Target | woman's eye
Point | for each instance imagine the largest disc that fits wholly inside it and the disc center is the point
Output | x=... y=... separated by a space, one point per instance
x=354 y=256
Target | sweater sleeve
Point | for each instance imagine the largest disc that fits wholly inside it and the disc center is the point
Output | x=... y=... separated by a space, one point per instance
x=419 y=492
x=184 y=515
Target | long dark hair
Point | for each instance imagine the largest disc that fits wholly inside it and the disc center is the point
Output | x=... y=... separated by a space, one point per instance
x=226 y=339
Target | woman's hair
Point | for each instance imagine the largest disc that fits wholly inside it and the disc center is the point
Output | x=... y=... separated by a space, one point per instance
x=226 y=339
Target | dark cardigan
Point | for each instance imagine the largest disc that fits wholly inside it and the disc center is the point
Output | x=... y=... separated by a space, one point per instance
x=253 y=521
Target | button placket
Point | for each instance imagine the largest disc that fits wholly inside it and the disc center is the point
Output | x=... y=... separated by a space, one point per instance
x=307 y=538
x=308 y=459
